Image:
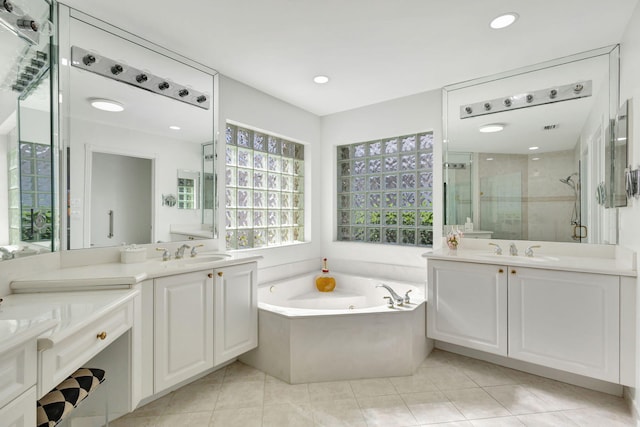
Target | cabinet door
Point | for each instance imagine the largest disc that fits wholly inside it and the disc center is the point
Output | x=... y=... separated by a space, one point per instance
x=565 y=320
x=467 y=305
x=183 y=316
x=236 y=311
x=21 y=412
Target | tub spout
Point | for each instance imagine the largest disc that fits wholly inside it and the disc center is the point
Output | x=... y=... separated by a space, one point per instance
x=396 y=298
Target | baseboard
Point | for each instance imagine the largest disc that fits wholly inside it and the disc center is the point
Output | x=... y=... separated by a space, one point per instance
x=554 y=374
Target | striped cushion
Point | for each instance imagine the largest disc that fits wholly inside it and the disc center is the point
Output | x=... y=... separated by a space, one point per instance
x=59 y=402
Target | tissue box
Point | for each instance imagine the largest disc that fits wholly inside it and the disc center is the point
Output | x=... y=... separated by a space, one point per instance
x=133 y=255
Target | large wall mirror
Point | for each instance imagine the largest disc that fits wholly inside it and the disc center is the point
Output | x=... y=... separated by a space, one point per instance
x=28 y=213
x=525 y=151
x=138 y=131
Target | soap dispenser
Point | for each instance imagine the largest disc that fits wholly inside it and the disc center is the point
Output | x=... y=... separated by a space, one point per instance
x=468 y=226
x=324 y=281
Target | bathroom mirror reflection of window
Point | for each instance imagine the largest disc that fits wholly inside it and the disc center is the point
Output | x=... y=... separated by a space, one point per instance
x=188 y=189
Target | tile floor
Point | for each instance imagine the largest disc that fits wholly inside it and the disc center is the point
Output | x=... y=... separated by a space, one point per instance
x=447 y=390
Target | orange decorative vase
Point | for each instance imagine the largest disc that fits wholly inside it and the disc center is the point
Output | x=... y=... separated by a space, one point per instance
x=324 y=281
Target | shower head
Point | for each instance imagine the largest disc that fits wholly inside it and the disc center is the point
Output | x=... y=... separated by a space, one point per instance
x=569 y=180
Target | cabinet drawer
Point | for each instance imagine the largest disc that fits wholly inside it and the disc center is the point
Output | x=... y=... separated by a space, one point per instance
x=66 y=356
x=17 y=371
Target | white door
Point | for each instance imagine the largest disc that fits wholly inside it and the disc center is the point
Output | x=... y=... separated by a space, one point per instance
x=467 y=305
x=236 y=311
x=183 y=317
x=565 y=320
x=121 y=190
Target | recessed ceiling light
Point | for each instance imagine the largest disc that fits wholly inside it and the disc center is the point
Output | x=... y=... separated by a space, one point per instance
x=504 y=20
x=106 y=105
x=489 y=159
x=534 y=148
x=493 y=127
x=174 y=127
x=535 y=158
x=321 y=79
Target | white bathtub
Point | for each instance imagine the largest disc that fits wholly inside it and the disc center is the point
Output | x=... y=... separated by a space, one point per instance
x=350 y=333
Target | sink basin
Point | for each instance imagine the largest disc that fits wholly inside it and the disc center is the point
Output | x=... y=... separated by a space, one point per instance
x=201 y=258
x=506 y=259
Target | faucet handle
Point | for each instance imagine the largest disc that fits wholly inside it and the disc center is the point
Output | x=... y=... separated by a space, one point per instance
x=407 y=300
x=529 y=250
x=390 y=302
x=166 y=255
x=194 y=250
x=497 y=250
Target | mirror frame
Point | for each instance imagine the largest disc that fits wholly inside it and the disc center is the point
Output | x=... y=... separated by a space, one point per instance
x=613 y=52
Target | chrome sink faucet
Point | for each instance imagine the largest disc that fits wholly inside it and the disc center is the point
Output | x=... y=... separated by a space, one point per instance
x=6 y=254
x=397 y=299
x=529 y=251
x=194 y=250
x=180 y=251
x=513 y=250
x=497 y=250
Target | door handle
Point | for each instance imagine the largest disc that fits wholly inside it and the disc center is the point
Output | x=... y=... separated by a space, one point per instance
x=110 y=235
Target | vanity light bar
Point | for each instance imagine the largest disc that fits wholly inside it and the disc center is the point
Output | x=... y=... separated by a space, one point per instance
x=539 y=97
x=106 y=67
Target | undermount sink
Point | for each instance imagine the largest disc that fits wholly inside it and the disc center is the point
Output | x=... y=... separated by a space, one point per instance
x=518 y=258
x=202 y=258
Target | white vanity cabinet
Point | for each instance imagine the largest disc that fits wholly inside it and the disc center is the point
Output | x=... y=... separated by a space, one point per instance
x=183 y=327
x=467 y=305
x=566 y=320
x=200 y=320
x=235 y=317
x=21 y=412
x=559 y=319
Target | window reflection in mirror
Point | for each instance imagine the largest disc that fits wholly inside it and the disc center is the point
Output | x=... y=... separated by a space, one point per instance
x=536 y=178
x=153 y=131
x=27 y=194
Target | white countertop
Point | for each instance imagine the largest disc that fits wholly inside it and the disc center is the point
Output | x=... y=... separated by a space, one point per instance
x=54 y=316
x=563 y=262
x=15 y=332
x=118 y=275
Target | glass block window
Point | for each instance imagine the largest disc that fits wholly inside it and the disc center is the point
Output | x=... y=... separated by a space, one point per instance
x=186 y=193
x=35 y=191
x=385 y=191
x=264 y=189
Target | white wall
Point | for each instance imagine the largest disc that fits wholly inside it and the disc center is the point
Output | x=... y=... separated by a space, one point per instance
x=244 y=105
x=411 y=114
x=630 y=89
x=4 y=193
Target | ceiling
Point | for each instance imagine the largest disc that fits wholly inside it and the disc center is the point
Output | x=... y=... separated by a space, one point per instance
x=373 y=50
